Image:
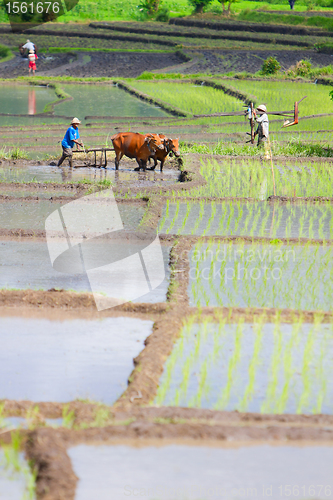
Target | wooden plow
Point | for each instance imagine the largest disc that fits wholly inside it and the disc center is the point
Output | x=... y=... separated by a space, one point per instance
x=96 y=163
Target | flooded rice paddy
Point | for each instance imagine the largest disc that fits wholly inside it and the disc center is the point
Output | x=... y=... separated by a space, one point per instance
x=32 y=214
x=24 y=100
x=104 y=100
x=14 y=484
x=45 y=173
x=178 y=472
x=26 y=265
x=261 y=275
x=62 y=361
x=252 y=178
x=87 y=100
x=231 y=218
x=267 y=368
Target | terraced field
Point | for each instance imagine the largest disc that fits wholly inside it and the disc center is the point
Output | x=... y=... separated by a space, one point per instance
x=159 y=326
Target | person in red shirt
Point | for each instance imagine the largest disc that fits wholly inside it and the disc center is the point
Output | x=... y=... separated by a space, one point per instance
x=32 y=61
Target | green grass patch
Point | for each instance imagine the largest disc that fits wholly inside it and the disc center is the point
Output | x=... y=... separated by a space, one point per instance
x=13 y=154
x=267 y=18
x=292 y=148
x=5 y=54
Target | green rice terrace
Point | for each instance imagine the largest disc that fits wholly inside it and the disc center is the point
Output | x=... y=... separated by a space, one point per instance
x=167 y=330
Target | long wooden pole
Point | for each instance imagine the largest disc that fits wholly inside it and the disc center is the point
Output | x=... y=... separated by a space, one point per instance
x=252 y=123
x=270 y=150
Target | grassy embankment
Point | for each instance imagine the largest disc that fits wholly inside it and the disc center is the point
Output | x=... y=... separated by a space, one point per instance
x=100 y=10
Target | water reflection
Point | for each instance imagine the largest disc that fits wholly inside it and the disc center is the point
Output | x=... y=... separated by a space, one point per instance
x=66 y=174
x=31 y=102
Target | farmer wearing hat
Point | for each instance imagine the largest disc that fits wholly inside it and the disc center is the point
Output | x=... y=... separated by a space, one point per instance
x=32 y=61
x=263 y=128
x=72 y=135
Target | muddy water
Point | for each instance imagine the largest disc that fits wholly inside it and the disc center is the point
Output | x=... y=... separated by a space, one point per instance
x=104 y=100
x=62 y=361
x=12 y=484
x=44 y=195
x=195 y=473
x=44 y=173
x=254 y=275
x=27 y=265
x=248 y=219
x=32 y=214
x=269 y=369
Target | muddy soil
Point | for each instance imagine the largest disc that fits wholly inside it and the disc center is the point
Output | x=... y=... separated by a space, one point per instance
x=131 y=65
x=18 y=66
x=123 y=64
x=102 y=64
x=222 y=61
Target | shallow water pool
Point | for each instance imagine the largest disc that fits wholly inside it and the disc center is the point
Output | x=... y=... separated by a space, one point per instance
x=248 y=219
x=104 y=100
x=177 y=472
x=62 y=361
x=46 y=173
x=262 y=275
x=24 y=100
x=267 y=368
x=32 y=214
x=26 y=264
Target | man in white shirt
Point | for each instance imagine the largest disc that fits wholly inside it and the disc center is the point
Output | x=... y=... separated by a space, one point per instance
x=30 y=46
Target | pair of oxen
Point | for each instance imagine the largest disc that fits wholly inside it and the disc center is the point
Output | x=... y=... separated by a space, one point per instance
x=143 y=147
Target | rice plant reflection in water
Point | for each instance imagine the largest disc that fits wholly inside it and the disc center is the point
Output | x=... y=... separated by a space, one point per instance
x=261 y=275
x=258 y=367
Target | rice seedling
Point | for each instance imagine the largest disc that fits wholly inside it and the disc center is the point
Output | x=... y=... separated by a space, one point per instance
x=257 y=275
x=237 y=218
x=318 y=100
x=16 y=466
x=243 y=178
x=272 y=368
x=195 y=99
x=175 y=217
x=68 y=417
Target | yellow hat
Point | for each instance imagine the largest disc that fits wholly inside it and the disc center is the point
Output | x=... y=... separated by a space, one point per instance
x=75 y=120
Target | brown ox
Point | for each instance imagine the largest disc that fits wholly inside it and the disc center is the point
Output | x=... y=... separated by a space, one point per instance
x=169 y=147
x=134 y=145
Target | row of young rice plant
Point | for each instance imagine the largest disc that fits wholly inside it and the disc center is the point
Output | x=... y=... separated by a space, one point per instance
x=280 y=96
x=244 y=218
x=196 y=99
x=258 y=367
x=252 y=178
x=261 y=275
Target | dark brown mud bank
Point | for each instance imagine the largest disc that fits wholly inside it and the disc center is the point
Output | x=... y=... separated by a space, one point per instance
x=102 y=64
x=222 y=61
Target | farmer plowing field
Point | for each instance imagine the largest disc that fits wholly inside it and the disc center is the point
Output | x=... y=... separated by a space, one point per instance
x=72 y=137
